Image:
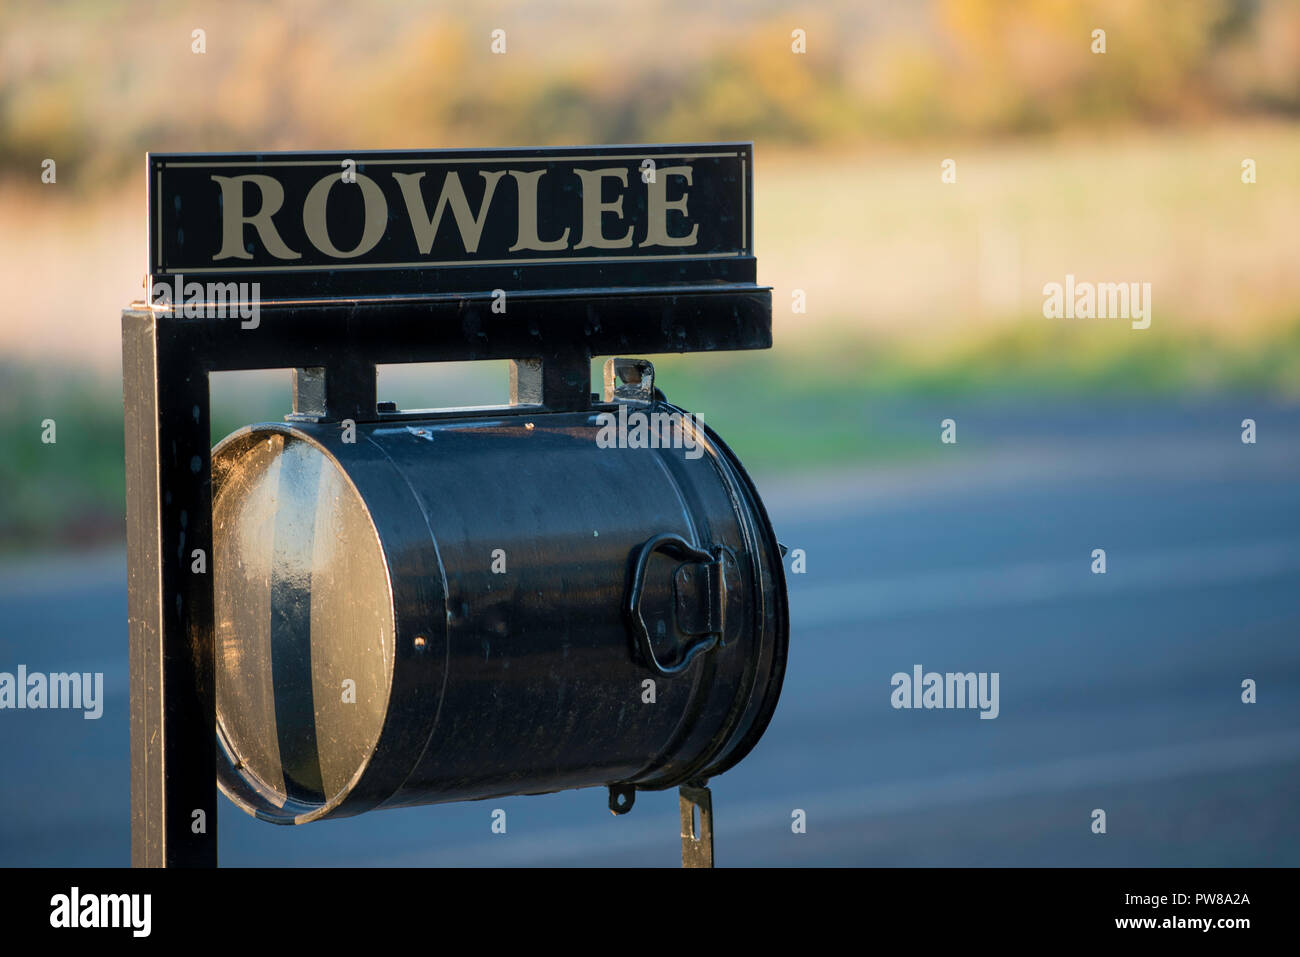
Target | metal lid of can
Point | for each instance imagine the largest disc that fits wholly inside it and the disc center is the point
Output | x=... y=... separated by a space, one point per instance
x=304 y=625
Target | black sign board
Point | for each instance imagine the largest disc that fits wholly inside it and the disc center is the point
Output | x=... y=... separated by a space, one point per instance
x=436 y=222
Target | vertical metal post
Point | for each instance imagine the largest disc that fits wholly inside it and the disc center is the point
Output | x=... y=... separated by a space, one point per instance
x=169 y=516
x=697 y=839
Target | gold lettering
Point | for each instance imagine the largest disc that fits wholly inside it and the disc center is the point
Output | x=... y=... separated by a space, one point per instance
x=658 y=206
x=527 y=236
x=233 y=219
x=593 y=208
x=453 y=194
x=313 y=216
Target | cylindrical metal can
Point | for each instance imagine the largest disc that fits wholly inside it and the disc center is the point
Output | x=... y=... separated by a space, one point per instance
x=478 y=604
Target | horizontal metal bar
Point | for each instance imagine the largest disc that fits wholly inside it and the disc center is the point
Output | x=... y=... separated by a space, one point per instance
x=442 y=329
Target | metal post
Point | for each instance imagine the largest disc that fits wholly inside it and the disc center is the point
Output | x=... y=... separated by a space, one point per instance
x=697 y=839
x=169 y=516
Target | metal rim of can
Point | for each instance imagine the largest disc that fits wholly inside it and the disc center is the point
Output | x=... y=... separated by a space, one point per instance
x=753 y=710
x=416 y=665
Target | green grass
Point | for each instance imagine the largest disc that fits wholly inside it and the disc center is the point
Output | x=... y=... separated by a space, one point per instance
x=71 y=490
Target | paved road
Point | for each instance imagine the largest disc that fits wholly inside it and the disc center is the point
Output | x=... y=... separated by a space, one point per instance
x=1118 y=691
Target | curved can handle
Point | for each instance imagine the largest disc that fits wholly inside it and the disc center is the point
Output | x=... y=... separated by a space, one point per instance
x=677 y=547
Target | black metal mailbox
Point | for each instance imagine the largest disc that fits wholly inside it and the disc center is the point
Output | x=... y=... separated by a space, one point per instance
x=465 y=607
x=413 y=607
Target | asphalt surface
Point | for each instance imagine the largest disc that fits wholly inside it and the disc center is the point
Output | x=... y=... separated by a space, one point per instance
x=1119 y=692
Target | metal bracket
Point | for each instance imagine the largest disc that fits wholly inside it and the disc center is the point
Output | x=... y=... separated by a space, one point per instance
x=560 y=382
x=621 y=798
x=629 y=379
x=697 y=837
x=345 y=390
x=700 y=590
